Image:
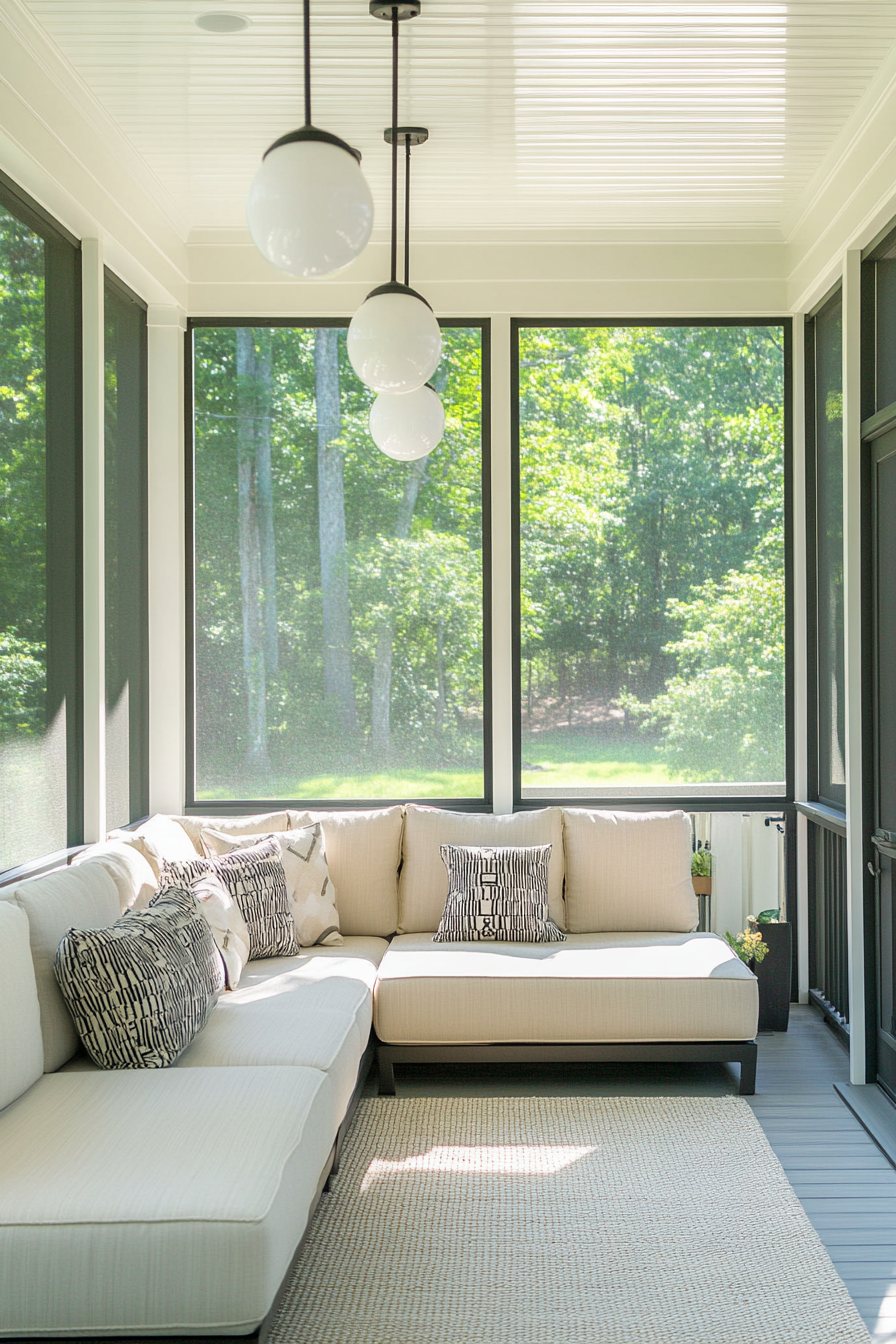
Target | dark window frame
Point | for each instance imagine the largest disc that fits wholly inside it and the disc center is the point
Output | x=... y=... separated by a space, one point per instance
x=230 y=806
x=136 y=504
x=713 y=802
x=813 y=698
x=64 y=492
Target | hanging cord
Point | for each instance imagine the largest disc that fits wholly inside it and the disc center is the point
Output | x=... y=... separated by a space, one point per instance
x=307 y=9
x=394 y=144
x=407 y=210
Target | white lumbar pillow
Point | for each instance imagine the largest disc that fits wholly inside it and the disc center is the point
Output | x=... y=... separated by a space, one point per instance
x=312 y=898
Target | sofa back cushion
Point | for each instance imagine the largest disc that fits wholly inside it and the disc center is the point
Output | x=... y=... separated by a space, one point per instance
x=85 y=897
x=258 y=824
x=363 y=854
x=628 y=872
x=423 y=887
x=129 y=869
x=158 y=839
x=21 y=1044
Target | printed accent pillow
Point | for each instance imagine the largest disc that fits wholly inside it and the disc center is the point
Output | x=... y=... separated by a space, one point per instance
x=497 y=893
x=312 y=898
x=140 y=989
x=255 y=878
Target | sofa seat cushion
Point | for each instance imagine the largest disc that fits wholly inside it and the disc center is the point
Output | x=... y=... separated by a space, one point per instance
x=172 y=1200
x=313 y=1010
x=594 y=987
x=315 y=1013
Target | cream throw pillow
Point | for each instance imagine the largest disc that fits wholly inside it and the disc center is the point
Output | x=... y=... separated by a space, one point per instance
x=229 y=930
x=312 y=898
x=628 y=872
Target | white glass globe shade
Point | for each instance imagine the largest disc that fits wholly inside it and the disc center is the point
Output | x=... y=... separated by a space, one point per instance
x=309 y=211
x=394 y=342
x=408 y=425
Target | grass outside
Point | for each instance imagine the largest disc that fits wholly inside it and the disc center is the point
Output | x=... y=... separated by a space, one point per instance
x=566 y=759
x=375 y=784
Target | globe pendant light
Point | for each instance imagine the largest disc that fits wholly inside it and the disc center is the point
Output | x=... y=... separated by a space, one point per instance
x=394 y=342
x=407 y=425
x=310 y=212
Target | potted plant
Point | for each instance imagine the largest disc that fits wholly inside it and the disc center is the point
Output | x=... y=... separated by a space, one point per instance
x=701 y=870
x=766 y=933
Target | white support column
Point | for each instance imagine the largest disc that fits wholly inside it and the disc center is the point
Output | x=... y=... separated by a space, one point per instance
x=852 y=605
x=800 y=650
x=93 y=512
x=167 y=643
x=502 y=581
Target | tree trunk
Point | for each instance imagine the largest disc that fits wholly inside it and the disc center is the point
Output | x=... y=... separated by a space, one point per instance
x=381 y=691
x=339 y=688
x=265 y=500
x=251 y=583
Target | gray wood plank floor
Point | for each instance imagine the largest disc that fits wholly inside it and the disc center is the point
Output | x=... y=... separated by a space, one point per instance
x=844 y=1182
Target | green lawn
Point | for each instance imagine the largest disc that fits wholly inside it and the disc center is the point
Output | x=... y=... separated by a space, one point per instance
x=568 y=760
x=586 y=760
x=408 y=783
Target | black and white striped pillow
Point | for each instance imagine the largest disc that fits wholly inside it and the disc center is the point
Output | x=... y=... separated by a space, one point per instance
x=256 y=880
x=497 y=894
x=140 y=989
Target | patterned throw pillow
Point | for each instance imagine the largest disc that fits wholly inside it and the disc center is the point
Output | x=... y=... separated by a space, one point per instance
x=255 y=879
x=308 y=886
x=140 y=989
x=497 y=893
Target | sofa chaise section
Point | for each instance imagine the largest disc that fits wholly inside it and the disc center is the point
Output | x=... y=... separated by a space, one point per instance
x=599 y=996
x=165 y=1201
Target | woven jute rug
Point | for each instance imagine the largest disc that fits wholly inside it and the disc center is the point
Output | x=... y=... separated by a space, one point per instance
x=630 y=1220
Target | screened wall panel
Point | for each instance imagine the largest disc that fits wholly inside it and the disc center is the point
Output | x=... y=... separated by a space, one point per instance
x=127 y=717
x=825 y=424
x=338 y=595
x=40 y=591
x=652 y=561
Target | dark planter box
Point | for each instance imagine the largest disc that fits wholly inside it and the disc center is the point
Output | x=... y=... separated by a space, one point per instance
x=773 y=974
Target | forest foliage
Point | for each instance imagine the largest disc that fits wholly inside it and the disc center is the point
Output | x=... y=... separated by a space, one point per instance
x=339 y=594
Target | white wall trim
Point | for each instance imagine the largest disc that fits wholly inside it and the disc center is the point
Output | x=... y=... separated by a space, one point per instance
x=167 y=559
x=800 y=647
x=94 y=562
x=502 y=573
x=852 y=605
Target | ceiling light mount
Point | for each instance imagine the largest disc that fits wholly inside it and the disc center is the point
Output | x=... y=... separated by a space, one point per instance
x=389 y=10
x=407 y=135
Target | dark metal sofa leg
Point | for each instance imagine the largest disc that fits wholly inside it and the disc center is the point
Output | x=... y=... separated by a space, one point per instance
x=748 y=1070
x=386 y=1074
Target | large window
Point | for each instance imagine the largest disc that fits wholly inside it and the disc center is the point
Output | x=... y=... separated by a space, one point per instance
x=40 y=506
x=338 y=595
x=824 y=423
x=652 y=561
x=125 y=556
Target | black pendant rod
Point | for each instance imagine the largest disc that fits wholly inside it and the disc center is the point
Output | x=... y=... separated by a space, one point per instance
x=307 y=9
x=394 y=143
x=407 y=210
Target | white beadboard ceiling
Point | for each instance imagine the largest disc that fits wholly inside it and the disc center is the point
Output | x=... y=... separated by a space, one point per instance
x=564 y=114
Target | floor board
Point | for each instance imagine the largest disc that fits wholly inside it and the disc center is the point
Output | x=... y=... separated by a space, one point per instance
x=846 y=1185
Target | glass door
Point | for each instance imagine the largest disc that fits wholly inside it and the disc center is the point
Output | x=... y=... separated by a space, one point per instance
x=883 y=633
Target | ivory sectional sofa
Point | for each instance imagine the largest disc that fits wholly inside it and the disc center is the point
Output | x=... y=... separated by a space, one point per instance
x=173 y=1201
